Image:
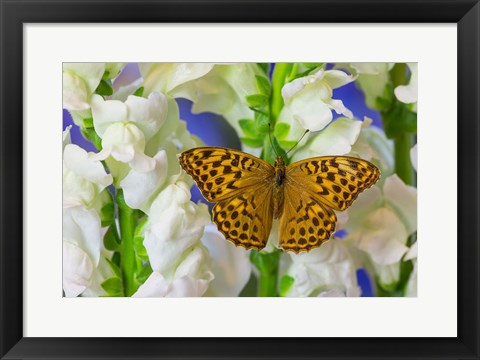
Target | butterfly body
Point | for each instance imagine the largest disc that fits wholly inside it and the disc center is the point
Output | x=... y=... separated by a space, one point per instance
x=278 y=188
x=249 y=193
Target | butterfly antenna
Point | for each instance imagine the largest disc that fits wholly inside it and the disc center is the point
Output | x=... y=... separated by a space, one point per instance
x=270 y=137
x=293 y=147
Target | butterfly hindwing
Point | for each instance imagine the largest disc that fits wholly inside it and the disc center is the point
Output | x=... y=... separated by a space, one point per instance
x=223 y=173
x=335 y=181
x=246 y=219
x=305 y=223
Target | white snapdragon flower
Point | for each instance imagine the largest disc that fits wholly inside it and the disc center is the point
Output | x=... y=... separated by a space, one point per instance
x=220 y=88
x=191 y=277
x=180 y=263
x=82 y=247
x=411 y=288
x=309 y=98
x=77 y=270
x=79 y=83
x=409 y=93
x=380 y=221
x=372 y=79
x=326 y=271
x=372 y=145
x=125 y=127
x=166 y=77
x=84 y=178
x=66 y=139
x=230 y=264
x=139 y=188
x=336 y=139
x=175 y=224
x=112 y=70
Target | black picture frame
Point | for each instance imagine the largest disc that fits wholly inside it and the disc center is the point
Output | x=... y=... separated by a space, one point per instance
x=465 y=13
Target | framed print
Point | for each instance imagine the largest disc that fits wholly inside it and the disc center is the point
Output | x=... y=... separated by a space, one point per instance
x=237 y=179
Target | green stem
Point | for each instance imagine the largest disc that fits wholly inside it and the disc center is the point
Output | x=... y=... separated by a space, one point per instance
x=267 y=284
x=293 y=72
x=127 y=220
x=280 y=73
x=267 y=265
x=403 y=166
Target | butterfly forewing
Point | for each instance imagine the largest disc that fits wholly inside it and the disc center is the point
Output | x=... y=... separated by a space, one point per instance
x=223 y=173
x=335 y=181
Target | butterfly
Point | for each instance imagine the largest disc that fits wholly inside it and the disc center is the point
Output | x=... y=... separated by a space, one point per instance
x=249 y=193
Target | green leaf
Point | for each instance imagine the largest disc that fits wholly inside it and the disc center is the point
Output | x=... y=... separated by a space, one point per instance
x=261 y=122
x=107 y=214
x=87 y=122
x=139 y=91
x=257 y=100
x=264 y=66
x=286 y=283
x=110 y=240
x=116 y=258
x=252 y=142
x=113 y=286
x=106 y=74
x=399 y=120
x=104 y=88
x=248 y=127
x=116 y=270
x=281 y=130
x=144 y=273
x=139 y=248
x=138 y=237
x=385 y=102
x=287 y=144
x=263 y=85
x=269 y=154
x=92 y=136
x=312 y=66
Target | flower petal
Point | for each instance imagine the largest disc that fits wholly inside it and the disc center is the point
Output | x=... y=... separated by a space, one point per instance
x=338 y=78
x=327 y=268
x=231 y=265
x=148 y=114
x=336 y=139
x=339 y=108
x=167 y=76
x=140 y=187
x=82 y=228
x=75 y=93
x=403 y=199
x=77 y=270
x=409 y=93
x=106 y=113
x=155 y=286
x=91 y=73
x=383 y=237
x=79 y=161
x=175 y=224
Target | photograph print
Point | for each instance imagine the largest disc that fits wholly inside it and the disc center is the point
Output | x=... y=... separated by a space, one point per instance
x=239 y=179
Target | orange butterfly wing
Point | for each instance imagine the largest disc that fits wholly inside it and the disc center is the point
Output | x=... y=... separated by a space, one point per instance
x=313 y=189
x=241 y=184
